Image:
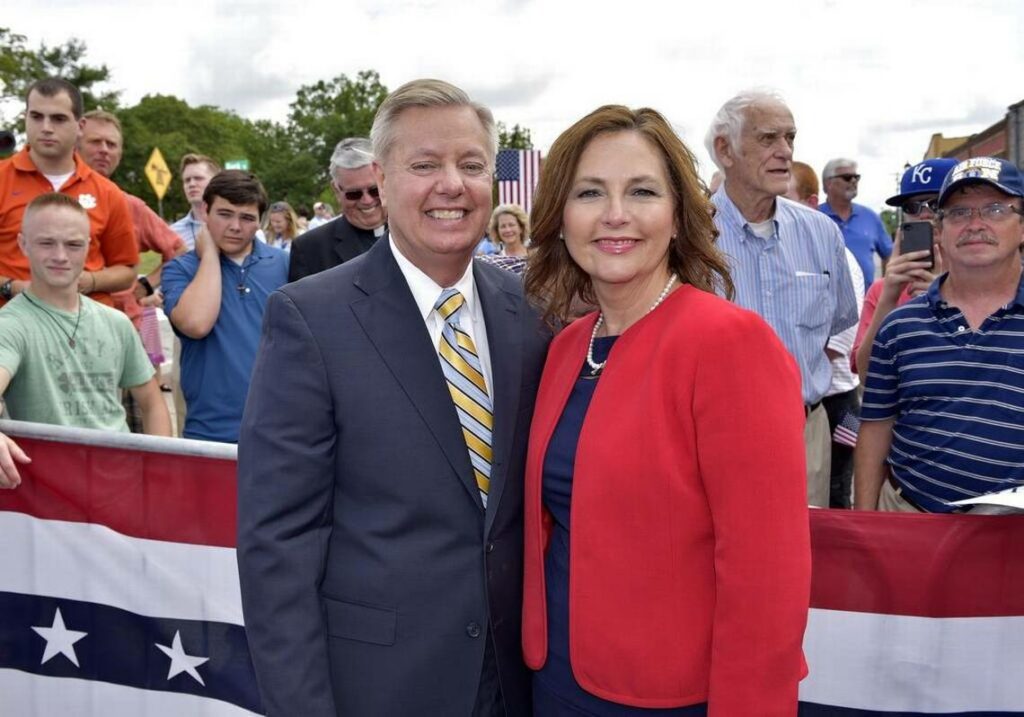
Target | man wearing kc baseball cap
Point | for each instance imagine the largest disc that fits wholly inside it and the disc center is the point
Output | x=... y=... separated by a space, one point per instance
x=942 y=401
x=919 y=188
x=906 y=275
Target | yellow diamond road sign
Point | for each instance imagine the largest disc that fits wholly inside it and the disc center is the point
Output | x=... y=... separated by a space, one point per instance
x=158 y=174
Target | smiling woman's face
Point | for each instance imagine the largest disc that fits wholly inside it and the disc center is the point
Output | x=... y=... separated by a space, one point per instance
x=620 y=214
x=509 y=230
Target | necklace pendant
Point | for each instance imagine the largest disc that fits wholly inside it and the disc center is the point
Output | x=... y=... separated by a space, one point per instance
x=71 y=343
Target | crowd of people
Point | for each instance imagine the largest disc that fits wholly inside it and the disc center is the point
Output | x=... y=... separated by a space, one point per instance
x=567 y=477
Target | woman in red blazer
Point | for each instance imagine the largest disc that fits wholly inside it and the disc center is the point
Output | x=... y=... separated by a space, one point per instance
x=667 y=543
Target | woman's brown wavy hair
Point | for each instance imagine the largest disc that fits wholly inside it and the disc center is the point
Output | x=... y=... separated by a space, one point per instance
x=553 y=280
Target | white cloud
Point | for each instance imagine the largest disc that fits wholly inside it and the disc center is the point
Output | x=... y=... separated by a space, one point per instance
x=871 y=79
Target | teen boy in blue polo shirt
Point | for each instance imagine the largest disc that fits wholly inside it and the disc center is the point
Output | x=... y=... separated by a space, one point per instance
x=943 y=404
x=215 y=296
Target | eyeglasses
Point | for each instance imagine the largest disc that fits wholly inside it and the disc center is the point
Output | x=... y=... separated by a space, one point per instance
x=914 y=207
x=994 y=213
x=847 y=177
x=354 y=195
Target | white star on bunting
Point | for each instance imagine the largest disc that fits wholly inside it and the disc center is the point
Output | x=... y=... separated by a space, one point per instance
x=59 y=640
x=181 y=662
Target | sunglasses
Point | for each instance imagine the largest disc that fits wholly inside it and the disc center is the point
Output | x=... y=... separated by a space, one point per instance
x=913 y=207
x=847 y=177
x=354 y=195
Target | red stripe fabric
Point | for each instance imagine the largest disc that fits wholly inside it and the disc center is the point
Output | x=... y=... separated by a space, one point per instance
x=183 y=499
x=898 y=564
x=919 y=565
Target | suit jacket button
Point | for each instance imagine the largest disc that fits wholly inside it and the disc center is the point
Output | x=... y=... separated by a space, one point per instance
x=473 y=630
x=490 y=547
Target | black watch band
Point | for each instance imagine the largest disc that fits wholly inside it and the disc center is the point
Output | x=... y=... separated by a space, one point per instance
x=146 y=285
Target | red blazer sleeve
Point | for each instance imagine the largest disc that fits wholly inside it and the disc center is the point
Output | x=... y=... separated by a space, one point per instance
x=749 y=421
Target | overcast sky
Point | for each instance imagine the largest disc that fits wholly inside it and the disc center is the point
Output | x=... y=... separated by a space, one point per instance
x=870 y=80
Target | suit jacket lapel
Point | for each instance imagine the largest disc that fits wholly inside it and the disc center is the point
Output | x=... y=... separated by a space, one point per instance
x=504 y=339
x=348 y=241
x=391 y=320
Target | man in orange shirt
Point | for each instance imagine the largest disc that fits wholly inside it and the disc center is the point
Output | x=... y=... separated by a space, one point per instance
x=48 y=163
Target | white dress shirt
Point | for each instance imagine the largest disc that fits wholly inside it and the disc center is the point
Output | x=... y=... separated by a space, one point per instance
x=471 y=319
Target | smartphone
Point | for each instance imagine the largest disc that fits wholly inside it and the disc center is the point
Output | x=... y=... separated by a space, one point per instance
x=917 y=236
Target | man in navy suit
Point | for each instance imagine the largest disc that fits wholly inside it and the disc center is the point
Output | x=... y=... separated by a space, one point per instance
x=380 y=540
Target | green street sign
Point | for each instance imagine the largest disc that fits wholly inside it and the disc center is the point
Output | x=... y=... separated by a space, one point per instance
x=242 y=164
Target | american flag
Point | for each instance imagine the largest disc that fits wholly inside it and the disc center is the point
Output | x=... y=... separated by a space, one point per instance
x=119 y=594
x=119 y=590
x=846 y=430
x=517 y=174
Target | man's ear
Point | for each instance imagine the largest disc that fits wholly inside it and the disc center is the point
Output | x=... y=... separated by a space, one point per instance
x=381 y=179
x=724 y=151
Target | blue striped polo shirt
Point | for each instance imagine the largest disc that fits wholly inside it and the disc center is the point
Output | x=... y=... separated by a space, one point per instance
x=797 y=280
x=957 y=397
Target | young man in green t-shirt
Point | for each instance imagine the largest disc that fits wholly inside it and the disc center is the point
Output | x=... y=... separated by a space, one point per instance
x=64 y=358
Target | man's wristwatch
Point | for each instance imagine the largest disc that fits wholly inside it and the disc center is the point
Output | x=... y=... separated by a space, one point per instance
x=7 y=290
x=144 y=281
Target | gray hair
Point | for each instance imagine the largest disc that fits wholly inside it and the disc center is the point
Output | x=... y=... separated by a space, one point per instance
x=351 y=153
x=729 y=120
x=426 y=93
x=833 y=164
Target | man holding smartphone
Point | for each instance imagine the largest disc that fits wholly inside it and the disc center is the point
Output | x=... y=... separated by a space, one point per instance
x=942 y=404
x=908 y=273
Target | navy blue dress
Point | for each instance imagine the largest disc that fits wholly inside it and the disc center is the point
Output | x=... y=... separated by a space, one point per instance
x=555 y=691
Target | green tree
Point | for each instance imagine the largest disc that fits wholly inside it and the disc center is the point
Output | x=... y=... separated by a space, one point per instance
x=325 y=113
x=890 y=219
x=176 y=128
x=21 y=65
x=286 y=170
x=516 y=138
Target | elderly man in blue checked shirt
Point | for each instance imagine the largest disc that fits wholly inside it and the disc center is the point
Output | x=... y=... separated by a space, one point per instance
x=943 y=401
x=788 y=261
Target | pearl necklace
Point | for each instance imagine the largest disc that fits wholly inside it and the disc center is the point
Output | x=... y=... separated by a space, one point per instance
x=595 y=368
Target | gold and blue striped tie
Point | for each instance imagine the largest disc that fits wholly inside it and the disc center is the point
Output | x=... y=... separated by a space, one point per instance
x=466 y=384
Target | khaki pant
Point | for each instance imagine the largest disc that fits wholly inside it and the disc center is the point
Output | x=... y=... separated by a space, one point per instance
x=891 y=501
x=818 y=447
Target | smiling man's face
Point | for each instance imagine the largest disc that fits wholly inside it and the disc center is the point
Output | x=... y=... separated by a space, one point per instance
x=436 y=185
x=365 y=210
